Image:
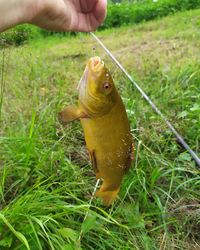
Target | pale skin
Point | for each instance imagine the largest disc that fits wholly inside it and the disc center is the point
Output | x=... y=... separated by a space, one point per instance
x=55 y=15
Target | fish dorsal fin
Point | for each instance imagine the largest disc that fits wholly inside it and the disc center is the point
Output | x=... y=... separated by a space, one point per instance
x=83 y=80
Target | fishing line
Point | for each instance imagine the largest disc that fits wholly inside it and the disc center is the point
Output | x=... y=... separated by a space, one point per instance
x=90 y=202
x=171 y=127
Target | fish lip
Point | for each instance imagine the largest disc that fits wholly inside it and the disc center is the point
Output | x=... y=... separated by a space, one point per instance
x=96 y=64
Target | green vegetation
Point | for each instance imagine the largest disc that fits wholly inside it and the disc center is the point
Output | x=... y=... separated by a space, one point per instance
x=125 y=13
x=19 y=35
x=24 y=33
x=45 y=176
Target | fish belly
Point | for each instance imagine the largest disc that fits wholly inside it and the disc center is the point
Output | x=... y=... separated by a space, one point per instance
x=109 y=139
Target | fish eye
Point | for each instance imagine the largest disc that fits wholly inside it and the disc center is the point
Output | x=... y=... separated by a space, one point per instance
x=106 y=85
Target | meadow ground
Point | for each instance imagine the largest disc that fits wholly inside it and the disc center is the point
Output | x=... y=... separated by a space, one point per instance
x=45 y=175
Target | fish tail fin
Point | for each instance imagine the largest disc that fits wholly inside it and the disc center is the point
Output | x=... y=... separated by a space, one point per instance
x=108 y=196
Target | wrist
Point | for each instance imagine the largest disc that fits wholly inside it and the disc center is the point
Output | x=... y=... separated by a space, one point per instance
x=15 y=12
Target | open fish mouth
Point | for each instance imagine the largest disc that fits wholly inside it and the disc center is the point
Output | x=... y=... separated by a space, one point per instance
x=96 y=63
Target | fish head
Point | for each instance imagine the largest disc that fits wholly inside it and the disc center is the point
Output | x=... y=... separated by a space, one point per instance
x=97 y=92
x=100 y=82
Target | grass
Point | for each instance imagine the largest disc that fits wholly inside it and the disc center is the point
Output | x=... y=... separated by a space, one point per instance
x=45 y=175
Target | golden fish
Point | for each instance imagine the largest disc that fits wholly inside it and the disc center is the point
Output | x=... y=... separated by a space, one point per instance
x=106 y=127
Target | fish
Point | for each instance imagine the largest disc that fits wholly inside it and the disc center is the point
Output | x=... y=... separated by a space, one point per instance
x=106 y=127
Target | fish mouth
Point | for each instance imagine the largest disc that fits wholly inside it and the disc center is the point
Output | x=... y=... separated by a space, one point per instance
x=96 y=64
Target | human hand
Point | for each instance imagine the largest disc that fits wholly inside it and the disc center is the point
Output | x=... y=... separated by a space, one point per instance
x=55 y=15
x=65 y=15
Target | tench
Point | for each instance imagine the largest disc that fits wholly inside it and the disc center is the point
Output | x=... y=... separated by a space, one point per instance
x=106 y=127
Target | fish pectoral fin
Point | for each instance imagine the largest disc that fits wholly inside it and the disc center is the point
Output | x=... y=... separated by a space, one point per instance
x=71 y=113
x=94 y=163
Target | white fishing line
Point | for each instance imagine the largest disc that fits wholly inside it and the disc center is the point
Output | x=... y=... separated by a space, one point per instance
x=90 y=202
x=171 y=127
